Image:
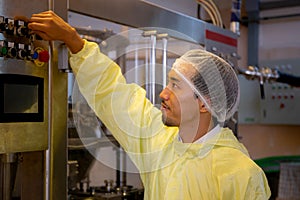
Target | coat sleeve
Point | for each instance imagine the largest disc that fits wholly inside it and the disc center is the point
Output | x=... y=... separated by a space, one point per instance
x=122 y=107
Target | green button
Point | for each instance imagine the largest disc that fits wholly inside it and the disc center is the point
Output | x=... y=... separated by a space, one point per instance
x=4 y=50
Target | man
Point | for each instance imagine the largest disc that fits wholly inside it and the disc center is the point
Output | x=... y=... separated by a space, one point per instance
x=182 y=150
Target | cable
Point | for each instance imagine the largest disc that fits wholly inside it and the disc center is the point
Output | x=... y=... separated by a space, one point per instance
x=217 y=12
x=212 y=10
x=209 y=12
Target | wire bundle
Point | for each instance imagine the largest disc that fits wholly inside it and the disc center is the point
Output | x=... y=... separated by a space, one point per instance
x=212 y=10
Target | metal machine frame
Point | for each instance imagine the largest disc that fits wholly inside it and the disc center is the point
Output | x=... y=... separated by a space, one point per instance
x=34 y=156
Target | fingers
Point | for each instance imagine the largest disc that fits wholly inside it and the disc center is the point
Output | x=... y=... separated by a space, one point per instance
x=43 y=35
x=48 y=13
x=22 y=18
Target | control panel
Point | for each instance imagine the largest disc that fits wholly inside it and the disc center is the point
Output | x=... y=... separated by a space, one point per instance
x=24 y=96
x=17 y=42
x=281 y=103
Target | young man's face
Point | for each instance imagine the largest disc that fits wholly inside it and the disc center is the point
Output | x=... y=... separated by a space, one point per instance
x=179 y=104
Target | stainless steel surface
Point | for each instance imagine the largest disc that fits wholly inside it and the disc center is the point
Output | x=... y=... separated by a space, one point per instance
x=50 y=134
x=11 y=8
x=136 y=13
x=18 y=137
x=58 y=126
x=146 y=16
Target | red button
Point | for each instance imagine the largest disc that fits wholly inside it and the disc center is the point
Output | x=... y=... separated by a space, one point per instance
x=44 y=56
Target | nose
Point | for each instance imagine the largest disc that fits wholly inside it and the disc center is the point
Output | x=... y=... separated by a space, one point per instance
x=165 y=94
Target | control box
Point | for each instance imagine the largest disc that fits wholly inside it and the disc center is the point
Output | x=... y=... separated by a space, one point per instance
x=281 y=103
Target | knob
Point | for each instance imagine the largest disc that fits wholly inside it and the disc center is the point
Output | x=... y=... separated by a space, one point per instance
x=22 y=54
x=22 y=29
x=2 y=24
x=12 y=51
x=10 y=26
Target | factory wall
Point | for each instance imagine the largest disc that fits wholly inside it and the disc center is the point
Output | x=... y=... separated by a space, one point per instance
x=277 y=40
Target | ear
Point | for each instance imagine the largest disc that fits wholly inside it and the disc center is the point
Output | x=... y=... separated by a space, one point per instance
x=202 y=106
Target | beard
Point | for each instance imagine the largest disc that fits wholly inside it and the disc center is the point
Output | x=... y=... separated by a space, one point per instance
x=168 y=121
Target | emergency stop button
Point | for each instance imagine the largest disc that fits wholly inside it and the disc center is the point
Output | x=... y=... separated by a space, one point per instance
x=43 y=56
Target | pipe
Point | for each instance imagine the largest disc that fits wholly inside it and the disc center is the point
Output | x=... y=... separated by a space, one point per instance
x=9 y=174
x=235 y=16
x=150 y=69
x=164 y=37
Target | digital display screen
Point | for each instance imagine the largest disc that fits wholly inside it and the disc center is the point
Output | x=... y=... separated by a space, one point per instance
x=20 y=98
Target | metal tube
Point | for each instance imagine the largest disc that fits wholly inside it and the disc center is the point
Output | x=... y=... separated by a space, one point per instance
x=164 y=38
x=165 y=43
x=235 y=16
x=9 y=175
x=48 y=151
x=146 y=72
x=136 y=65
x=152 y=68
x=123 y=179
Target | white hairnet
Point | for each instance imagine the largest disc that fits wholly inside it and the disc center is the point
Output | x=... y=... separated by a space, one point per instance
x=213 y=80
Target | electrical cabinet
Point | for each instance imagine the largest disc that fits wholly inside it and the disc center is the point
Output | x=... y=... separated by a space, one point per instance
x=280 y=104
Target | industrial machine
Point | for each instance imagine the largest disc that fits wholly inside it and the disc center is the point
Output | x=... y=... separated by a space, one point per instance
x=33 y=110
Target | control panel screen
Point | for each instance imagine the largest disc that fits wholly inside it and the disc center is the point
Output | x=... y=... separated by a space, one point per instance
x=20 y=98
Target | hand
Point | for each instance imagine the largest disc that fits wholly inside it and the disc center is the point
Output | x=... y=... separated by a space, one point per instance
x=50 y=26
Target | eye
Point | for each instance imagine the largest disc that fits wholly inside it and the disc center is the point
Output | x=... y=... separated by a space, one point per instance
x=174 y=85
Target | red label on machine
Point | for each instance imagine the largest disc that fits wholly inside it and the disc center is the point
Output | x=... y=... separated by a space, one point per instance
x=221 y=38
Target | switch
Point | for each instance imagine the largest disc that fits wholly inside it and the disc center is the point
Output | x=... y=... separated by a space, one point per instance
x=22 y=53
x=31 y=54
x=21 y=28
x=12 y=51
x=44 y=56
x=2 y=24
x=10 y=26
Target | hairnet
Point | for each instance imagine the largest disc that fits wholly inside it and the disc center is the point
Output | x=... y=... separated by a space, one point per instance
x=213 y=80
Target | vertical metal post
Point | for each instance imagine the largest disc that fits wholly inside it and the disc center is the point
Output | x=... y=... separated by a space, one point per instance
x=164 y=38
x=9 y=174
x=58 y=107
x=150 y=69
x=136 y=65
x=252 y=8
